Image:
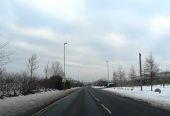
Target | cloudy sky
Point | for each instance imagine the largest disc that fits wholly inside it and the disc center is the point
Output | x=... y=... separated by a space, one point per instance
x=95 y=30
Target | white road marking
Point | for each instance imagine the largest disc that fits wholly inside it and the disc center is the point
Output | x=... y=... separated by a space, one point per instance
x=91 y=94
x=94 y=96
x=97 y=99
x=100 y=104
x=106 y=109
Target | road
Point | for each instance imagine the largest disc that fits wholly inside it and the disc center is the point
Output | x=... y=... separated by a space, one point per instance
x=95 y=102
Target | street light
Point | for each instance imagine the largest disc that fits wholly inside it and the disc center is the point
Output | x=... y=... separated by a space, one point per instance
x=78 y=75
x=140 y=69
x=64 y=79
x=107 y=62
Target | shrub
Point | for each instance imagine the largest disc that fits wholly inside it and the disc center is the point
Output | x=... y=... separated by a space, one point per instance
x=158 y=90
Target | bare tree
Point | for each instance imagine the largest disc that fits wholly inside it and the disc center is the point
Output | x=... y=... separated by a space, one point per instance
x=2 y=82
x=16 y=83
x=32 y=65
x=151 y=68
x=121 y=75
x=132 y=74
x=115 y=77
x=4 y=56
x=2 y=70
x=164 y=81
x=56 y=69
x=46 y=71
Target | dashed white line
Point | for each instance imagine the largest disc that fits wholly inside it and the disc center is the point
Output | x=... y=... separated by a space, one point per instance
x=91 y=94
x=100 y=104
x=97 y=99
x=106 y=109
x=94 y=96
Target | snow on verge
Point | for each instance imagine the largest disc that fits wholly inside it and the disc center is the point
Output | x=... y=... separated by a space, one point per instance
x=160 y=100
x=17 y=105
x=98 y=87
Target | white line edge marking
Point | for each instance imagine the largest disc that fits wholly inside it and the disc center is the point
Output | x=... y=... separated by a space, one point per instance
x=106 y=108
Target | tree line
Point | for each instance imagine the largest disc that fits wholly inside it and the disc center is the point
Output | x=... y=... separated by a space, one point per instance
x=151 y=75
x=27 y=82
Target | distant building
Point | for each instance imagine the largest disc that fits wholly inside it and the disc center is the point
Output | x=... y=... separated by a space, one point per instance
x=163 y=74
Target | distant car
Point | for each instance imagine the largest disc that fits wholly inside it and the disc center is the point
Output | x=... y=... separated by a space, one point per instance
x=111 y=85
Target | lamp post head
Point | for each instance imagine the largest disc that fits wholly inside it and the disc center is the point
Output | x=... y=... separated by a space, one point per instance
x=65 y=43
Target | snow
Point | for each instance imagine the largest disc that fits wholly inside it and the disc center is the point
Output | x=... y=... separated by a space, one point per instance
x=154 y=98
x=17 y=105
x=98 y=87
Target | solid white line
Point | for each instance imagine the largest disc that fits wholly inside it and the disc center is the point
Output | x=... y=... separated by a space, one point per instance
x=106 y=109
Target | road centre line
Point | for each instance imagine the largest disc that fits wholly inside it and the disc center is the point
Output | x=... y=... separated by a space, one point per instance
x=94 y=96
x=106 y=109
x=101 y=103
x=97 y=99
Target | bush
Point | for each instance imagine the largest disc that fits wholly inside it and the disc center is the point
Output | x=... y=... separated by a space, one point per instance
x=67 y=85
x=55 y=82
x=158 y=90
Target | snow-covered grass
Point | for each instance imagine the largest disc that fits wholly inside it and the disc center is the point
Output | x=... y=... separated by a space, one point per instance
x=98 y=87
x=154 y=98
x=17 y=105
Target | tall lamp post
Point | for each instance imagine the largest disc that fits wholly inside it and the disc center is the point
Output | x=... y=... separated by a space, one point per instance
x=64 y=79
x=107 y=62
x=78 y=75
x=140 y=69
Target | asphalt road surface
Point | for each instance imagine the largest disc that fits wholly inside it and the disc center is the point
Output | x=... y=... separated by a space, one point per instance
x=95 y=102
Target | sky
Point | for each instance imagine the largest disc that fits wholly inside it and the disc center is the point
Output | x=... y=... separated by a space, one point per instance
x=96 y=31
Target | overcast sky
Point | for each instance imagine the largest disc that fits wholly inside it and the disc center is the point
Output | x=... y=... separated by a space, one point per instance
x=95 y=30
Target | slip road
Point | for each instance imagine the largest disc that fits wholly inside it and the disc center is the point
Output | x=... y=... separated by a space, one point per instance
x=95 y=102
